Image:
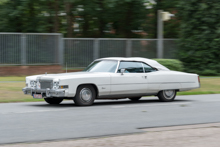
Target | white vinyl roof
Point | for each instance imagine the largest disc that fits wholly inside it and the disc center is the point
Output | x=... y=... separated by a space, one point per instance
x=150 y=62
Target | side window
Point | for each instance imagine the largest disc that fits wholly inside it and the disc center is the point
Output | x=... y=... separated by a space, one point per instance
x=147 y=68
x=131 y=67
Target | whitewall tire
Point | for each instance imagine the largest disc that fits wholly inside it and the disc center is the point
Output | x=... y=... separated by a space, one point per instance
x=167 y=95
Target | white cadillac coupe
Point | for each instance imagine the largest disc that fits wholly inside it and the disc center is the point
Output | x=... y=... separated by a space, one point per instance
x=112 y=78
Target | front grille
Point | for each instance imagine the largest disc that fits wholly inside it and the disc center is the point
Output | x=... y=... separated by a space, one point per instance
x=46 y=84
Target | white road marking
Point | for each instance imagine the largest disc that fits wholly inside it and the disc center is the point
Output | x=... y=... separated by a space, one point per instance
x=118 y=106
x=151 y=105
x=36 y=111
x=167 y=104
x=113 y=107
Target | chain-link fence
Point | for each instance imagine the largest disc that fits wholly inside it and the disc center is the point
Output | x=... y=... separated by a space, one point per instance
x=51 y=48
x=30 y=48
x=79 y=52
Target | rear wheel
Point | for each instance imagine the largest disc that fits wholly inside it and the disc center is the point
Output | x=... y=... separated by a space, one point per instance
x=135 y=98
x=85 y=95
x=53 y=100
x=167 y=95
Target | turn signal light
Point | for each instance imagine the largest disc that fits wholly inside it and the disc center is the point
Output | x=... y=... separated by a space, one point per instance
x=64 y=87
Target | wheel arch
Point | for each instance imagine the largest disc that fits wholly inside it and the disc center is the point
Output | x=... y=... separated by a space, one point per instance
x=177 y=90
x=92 y=84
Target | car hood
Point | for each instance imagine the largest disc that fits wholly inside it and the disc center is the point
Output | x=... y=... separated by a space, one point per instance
x=67 y=75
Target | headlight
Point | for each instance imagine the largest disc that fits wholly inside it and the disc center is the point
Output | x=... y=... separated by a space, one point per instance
x=33 y=83
x=38 y=85
x=55 y=85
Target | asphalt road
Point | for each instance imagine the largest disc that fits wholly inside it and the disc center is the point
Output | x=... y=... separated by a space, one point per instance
x=38 y=121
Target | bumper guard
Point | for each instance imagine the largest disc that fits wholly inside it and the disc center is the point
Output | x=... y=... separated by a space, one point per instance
x=44 y=92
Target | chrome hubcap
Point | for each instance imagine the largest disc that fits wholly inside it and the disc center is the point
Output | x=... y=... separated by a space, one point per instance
x=86 y=94
x=169 y=94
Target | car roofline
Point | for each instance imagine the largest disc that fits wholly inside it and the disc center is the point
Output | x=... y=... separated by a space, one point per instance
x=150 y=62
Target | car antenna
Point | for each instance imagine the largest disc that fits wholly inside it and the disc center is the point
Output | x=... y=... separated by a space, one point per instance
x=66 y=67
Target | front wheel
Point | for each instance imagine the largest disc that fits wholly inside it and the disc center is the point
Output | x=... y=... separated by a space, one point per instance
x=53 y=100
x=167 y=95
x=85 y=95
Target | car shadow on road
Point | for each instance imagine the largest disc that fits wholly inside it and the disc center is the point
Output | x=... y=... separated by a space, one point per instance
x=109 y=102
x=97 y=103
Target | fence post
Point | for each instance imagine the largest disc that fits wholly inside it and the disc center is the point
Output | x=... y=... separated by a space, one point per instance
x=61 y=49
x=159 y=34
x=23 y=49
x=128 y=48
x=96 y=49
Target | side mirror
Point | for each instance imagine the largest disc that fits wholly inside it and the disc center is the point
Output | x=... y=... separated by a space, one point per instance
x=122 y=71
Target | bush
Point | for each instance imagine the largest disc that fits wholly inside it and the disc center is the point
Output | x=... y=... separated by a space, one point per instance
x=177 y=65
x=172 y=64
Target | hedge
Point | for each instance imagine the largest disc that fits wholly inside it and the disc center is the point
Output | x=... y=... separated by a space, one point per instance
x=177 y=65
x=172 y=64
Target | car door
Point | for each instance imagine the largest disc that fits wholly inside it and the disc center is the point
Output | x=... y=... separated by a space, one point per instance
x=151 y=74
x=132 y=81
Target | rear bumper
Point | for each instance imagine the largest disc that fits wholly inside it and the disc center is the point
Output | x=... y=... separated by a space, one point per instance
x=45 y=92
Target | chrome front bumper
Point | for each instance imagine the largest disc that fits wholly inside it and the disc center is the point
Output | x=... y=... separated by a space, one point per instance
x=44 y=92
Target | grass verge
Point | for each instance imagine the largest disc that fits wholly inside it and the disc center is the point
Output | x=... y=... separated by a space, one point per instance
x=12 y=91
x=208 y=86
x=22 y=78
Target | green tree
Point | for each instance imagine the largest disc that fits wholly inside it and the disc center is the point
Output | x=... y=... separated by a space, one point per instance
x=21 y=16
x=129 y=15
x=200 y=35
x=69 y=5
x=96 y=18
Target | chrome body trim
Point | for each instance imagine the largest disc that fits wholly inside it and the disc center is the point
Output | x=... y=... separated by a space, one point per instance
x=116 y=70
x=45 y=92
x=119 y=96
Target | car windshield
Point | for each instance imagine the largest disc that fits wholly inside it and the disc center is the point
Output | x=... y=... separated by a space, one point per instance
x=102 y=66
